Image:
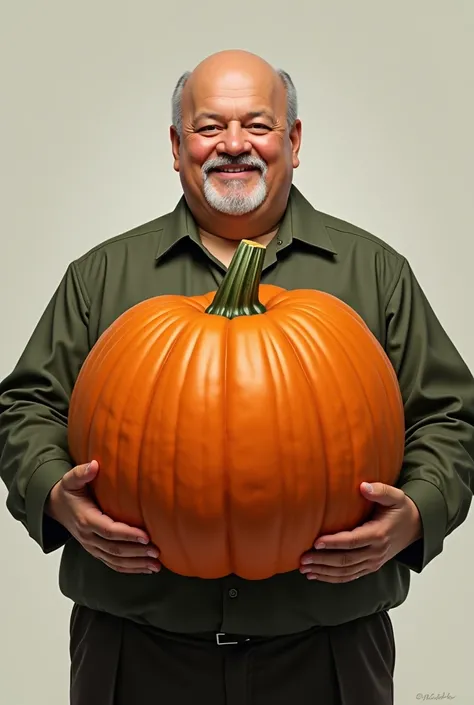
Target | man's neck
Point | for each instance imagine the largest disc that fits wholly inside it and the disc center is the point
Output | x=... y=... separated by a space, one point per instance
x=223 y=249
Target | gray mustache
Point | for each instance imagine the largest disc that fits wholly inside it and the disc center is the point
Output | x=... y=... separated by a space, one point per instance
x=244 y=160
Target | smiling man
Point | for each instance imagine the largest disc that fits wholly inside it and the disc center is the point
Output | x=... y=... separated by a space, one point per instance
x=234 y=149
x=139 y=633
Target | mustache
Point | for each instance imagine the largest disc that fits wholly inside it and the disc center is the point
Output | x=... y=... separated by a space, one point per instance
x=242 y=160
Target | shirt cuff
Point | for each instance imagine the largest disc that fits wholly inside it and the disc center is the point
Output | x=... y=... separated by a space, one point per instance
x=47 y=532
x=434 y=518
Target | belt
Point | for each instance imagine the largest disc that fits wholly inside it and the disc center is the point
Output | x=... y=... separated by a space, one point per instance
x=223 y=639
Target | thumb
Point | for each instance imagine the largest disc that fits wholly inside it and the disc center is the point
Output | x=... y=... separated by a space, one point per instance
x=77 y=478
x=380 y=493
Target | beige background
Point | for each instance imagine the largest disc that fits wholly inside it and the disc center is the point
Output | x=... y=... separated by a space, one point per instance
x=386 y=96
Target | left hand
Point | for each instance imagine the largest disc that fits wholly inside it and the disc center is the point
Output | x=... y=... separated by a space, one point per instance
x=348 y=555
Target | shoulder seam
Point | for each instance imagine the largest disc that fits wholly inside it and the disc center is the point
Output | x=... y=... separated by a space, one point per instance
x=115 y=240
x=81 y=284
x=395 y=281
x=370 y=238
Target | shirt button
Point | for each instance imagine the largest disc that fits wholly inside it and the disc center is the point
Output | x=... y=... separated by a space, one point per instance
x=233 y=592
x=279 y=242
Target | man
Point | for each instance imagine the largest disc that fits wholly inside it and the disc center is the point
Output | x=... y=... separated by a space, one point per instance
x=140 y=634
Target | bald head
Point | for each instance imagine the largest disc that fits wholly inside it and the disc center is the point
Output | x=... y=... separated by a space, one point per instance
x=226 y=69
x=226 y=62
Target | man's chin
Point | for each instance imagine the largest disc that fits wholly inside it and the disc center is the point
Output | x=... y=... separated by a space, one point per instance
x=235 y=199
x=225 y=188
x=236 y=209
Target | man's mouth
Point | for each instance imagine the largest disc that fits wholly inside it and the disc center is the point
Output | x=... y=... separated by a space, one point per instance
x=234 y=169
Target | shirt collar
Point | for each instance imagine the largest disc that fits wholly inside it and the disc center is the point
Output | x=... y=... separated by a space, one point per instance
x=304 y=223
x=301 y=222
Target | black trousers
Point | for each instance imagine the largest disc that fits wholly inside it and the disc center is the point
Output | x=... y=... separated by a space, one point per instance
x=118 y=662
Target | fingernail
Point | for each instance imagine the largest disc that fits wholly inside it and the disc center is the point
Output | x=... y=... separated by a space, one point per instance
x=321 y=544
x=154 y=568
x=306 y=560
x=152 y=554
x=140 y=539
x=368 y=487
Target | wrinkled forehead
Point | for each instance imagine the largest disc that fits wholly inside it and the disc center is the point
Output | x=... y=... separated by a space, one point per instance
x=235 y=92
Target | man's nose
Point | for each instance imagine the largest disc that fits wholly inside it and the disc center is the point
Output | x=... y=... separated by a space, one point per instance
x=234 y=141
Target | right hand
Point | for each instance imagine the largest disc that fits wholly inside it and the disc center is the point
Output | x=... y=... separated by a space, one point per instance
x=122 y=548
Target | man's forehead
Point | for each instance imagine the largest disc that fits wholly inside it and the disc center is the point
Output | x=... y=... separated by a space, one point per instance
x=262 y=89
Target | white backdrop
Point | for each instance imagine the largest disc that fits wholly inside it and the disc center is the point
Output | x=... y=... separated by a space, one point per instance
x=386 y=97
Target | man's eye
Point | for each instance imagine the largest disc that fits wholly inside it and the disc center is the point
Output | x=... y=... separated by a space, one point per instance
x=209 y=128
x=256 y=126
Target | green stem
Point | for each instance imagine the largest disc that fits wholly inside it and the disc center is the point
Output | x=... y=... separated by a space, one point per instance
x=238 y=292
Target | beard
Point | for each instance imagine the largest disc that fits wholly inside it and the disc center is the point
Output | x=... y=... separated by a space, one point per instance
x=234 y=197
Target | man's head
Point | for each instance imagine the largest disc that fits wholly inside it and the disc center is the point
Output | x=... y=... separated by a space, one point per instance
x=236 y=139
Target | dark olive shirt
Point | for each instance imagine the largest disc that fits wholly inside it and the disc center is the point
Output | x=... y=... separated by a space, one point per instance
x=165 y=256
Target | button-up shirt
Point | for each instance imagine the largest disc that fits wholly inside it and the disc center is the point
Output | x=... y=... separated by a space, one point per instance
x=166 y=256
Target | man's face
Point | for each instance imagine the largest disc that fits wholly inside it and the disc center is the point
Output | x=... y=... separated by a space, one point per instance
x=236 y=154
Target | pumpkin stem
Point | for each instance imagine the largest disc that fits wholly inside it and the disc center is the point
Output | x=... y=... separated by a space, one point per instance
x=238 y=292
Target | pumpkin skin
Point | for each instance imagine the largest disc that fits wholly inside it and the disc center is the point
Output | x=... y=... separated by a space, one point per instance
x=236 y=442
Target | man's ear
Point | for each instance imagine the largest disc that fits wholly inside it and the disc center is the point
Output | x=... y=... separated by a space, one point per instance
x=175 y=144
x=295 y=139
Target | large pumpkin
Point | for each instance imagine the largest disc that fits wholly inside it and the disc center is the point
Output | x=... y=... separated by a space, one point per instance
x=237 y=426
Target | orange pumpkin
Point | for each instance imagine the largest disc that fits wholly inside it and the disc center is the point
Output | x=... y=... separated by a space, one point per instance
x=237 y=426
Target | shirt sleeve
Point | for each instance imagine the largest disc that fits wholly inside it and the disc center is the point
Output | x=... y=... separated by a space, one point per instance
x=438 y=393
x=34 y=403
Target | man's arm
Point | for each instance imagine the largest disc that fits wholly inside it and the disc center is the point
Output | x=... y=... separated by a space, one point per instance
x=438 y=394
x=34 y=402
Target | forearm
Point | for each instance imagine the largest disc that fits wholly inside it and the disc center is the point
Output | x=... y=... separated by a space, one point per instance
x=33 y=458
x=438 y=394
x=34 y=403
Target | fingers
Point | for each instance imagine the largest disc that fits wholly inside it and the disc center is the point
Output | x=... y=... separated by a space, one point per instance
x=122 y=555
x=347 y=540
x=341 y=566
x=382 y=494
x=94 y=521
x=77 y=478
x=340 y=578
x=121 y=549
x=124 y=564
x=338 y=559
x=341 y=573
x=372 y=533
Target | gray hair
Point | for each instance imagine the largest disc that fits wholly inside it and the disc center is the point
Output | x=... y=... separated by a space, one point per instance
x=291 y=96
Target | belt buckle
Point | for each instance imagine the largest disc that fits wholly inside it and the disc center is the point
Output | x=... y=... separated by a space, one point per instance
x=224 y=643
x=220 y=642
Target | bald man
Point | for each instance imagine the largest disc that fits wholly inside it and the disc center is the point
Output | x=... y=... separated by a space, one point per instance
x=321 y=634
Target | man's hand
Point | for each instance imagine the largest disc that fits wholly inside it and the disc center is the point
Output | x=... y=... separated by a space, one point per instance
x=121 y=547
x=348 y=555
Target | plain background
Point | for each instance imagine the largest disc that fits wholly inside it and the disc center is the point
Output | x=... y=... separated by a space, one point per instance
x=386 y=99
